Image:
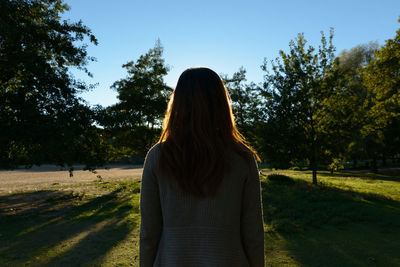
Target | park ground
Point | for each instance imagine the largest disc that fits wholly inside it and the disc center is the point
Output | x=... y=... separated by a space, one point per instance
x=352 y=218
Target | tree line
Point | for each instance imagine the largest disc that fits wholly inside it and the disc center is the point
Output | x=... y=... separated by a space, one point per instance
x=313 y=108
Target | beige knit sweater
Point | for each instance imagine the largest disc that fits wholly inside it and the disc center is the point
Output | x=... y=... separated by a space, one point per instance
x=179 y=230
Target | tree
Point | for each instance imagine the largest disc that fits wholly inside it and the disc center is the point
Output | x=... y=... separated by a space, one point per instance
x=344 y=109
x=41 y=118
x=382 y=78
x=136 y=119
x=296 y=92
x=246 y=104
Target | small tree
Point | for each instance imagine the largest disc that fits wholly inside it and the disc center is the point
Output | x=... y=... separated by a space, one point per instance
x=296 y=92
x=135 y=121
x=246 y=104
x=335 y=165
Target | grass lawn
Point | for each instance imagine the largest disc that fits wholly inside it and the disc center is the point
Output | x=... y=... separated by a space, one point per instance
x=349 y=219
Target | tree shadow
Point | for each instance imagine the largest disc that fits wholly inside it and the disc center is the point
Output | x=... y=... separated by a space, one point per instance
x=326 y=226
x=53 y=228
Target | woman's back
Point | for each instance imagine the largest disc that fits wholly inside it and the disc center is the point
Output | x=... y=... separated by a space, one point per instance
x=201 y=196
x=182 y=230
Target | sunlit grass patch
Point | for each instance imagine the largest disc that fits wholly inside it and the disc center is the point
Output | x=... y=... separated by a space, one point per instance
x=129 y=186
x=384 y=185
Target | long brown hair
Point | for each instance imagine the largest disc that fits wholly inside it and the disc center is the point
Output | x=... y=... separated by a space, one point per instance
x=198 y=131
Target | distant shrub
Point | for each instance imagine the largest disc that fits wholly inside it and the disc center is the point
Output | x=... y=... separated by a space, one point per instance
x=335 y=165
x=295 y=168
x=280 y=178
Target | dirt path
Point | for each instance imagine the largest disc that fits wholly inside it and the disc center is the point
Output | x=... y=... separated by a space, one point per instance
x=45 y=176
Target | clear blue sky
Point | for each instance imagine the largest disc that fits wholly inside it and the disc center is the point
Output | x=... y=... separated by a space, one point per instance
x=223 y=35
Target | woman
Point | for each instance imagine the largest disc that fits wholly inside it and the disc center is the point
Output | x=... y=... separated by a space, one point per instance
x=200 y=194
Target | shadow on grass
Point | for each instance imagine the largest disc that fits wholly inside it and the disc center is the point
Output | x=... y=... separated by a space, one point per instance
x=53 y=228
x=325 y=226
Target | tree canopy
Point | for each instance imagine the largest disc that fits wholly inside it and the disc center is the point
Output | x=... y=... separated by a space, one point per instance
x=135 y=121
x=296 y=92
x=44 y=119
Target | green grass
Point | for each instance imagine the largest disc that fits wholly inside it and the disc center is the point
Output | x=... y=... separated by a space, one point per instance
x=349 y=219
x=56 y=228
x=344 y=221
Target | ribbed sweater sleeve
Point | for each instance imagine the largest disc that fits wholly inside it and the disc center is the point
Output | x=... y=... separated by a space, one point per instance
x=252 y=228
x=150 y=210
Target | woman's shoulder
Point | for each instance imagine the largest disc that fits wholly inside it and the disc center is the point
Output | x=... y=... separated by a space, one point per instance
x=155 y=148
x=154 y=151
x=242 y=153
x=153 y=154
